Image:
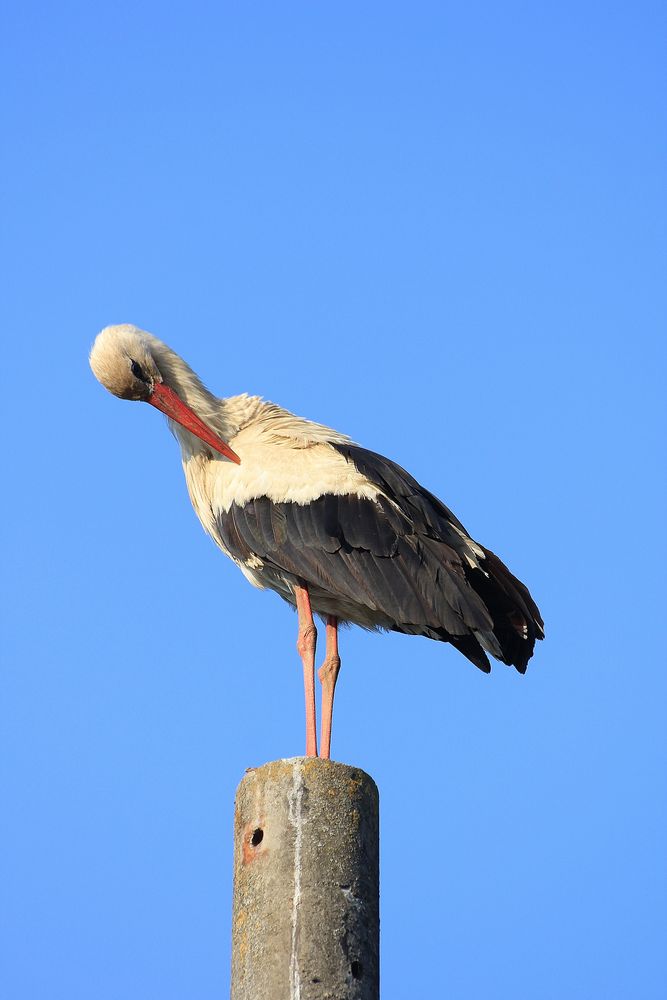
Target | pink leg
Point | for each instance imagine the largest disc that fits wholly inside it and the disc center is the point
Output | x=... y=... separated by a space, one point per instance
x=328 y=674
x=305 y=644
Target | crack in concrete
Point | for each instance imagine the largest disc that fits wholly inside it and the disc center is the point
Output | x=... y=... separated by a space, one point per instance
x=296 y=819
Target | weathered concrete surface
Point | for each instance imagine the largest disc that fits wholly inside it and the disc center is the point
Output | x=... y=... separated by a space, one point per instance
x=306 y=883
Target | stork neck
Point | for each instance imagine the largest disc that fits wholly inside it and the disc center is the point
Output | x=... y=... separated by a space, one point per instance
x=214 y=411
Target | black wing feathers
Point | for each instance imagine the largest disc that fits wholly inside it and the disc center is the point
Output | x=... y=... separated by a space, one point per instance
x=513 y=619
x=403 y=555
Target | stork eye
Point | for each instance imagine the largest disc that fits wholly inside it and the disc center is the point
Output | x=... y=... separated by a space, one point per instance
x=138 y=371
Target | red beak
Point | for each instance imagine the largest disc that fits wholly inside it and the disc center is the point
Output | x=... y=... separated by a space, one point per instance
x=165 y=399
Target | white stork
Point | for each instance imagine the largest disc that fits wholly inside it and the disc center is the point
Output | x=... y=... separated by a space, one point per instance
x=331 y=527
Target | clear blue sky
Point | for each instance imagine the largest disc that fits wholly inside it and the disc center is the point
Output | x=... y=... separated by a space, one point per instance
x=440 y=228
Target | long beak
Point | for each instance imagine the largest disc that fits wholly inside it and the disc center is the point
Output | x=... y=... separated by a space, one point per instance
x=165 y=399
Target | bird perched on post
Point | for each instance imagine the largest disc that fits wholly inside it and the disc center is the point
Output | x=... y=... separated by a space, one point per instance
x=331 y=527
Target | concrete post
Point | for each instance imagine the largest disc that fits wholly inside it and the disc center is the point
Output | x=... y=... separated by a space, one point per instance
x=306 y=920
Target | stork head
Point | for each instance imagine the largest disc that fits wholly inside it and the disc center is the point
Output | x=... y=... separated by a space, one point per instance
x=123 y=360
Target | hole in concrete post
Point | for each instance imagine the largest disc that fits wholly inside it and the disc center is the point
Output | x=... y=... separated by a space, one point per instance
x=356 y=969
x=257 y=837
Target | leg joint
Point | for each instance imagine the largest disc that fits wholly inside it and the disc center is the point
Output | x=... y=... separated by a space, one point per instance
x=307 y=640
x=328 y=672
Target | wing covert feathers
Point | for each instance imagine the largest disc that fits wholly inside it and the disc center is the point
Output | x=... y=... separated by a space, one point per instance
x=403 y=557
